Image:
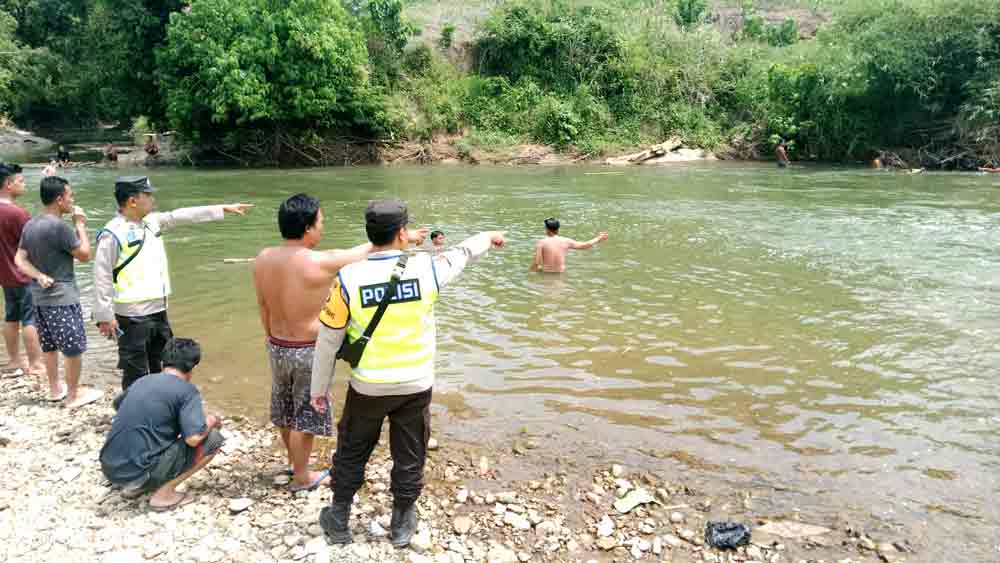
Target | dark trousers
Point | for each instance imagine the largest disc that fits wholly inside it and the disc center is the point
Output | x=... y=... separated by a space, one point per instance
x=358 y=432
x=140 y=348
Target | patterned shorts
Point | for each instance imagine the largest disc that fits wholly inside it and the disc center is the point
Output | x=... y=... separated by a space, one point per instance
x=291 y=376
x=60 y=327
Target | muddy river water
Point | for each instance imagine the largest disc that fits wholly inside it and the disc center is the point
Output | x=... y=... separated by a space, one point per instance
x=834 y=331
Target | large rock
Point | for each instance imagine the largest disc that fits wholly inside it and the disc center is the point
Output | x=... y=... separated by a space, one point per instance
x=500 y=554
x=516 y=521
x=605 y=527
x=238 y=505
x=462 y=525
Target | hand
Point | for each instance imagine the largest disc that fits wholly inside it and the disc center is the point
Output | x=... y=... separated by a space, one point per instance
x=417 y=236
x=79 y=216
x=320 y=403
x=497 y=238
x=237 y=208
x=45 y=281
x=212 y=421
x=601 y=236
x=108 y=329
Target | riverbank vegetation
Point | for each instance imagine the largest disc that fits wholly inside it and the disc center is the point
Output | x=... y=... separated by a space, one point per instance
x=270 y=82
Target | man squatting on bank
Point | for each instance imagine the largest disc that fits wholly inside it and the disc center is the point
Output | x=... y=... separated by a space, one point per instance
x=395 y=374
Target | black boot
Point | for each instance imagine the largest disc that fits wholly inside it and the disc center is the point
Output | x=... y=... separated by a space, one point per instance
x=335 y=521
x=404 y=524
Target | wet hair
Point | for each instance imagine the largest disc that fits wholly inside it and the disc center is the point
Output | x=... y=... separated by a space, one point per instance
x=7 y=172
x=52 y=188
x=296 y=215
x=436 y=234
x=182 y=353
x=552 y=224
x=381 y=236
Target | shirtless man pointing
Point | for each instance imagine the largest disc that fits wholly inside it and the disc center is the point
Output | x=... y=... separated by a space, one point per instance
x=550 y=252
x=293 y=282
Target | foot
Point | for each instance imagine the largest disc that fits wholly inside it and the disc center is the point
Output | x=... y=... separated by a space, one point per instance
x=57 y=394
x=83 y=396
x=37 y=370
x=335 y=521
x=403 y=526
x=310 y=481
x=164 y=501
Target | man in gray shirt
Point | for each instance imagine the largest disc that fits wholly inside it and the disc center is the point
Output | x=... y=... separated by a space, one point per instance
x=131 y=278
x=46 y=252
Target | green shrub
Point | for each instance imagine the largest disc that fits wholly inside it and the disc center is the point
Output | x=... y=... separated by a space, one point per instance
x=447 y=37
x=690 y=13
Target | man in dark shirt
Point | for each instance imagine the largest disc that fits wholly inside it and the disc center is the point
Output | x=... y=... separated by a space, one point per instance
x=161 y=436
x=19 y=310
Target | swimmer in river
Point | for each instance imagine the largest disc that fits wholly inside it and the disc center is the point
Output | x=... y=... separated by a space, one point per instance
x=550 y=252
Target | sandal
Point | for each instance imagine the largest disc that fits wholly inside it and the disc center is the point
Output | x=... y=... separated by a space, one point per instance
x=88 y=396
x=185 y=499
x=323 y=476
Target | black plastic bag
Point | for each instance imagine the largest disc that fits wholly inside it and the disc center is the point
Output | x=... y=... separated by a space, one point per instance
x=726 y=535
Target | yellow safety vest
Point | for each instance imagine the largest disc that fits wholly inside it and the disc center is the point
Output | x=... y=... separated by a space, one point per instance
x=403 y=346
x=146 y=277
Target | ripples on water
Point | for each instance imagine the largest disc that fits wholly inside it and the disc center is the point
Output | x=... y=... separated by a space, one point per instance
x=835 y=330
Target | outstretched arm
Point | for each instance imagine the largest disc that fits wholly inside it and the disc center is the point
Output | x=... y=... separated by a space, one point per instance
x=203 y=214
x=332 y=261
x=576 y=245
x=449 y=264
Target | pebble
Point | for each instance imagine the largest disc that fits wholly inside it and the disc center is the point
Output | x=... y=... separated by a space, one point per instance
x=657 y=546
x=676 y=517
x=462 y=525
x=238 y=505
x=316 y=545
x=291 y=540
x=607 y=544
x=516 y=521
x=432 y=444
x=547 y=528
x=672 y=540
x=617 y=470
x=506 y=497
x=605 y=527
x=376 y=530
x=500 y=554
x=421 y=541
x=462 y=496
x=282 y=480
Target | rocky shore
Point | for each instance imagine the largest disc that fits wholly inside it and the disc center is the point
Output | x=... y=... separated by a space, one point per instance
x=481 y=503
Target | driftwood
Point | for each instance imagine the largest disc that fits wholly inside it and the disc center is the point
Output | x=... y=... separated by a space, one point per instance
x=670 y=150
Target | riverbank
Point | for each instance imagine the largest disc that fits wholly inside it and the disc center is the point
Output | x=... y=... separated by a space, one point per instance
x=482 y=502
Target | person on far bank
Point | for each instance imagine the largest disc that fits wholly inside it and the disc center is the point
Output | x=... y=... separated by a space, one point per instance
x=63 y=156
x=395 y=375
x=160 y=435
x=19 y=314
x=550 y=252
x=131 y=277
x=46 y=253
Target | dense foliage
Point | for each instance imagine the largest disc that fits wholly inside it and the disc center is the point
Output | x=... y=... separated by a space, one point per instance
x=916 y=77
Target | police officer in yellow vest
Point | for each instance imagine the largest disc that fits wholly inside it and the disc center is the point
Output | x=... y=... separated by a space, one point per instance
x=131 y=278
x=395 y=374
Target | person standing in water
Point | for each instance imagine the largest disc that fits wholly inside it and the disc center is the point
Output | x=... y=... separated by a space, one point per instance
x=437 y=241
x=781 y=153
x=550 y=252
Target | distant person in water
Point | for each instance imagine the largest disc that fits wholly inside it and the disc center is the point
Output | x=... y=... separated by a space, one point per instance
x=437 y=241
x=51 y=169
x=781 y=153
x=63 y=156
x=111 y=153
x=152 y=147
x=550 y=252
x=989 y=170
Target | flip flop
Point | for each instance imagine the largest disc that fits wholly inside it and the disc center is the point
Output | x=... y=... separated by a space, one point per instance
x=89 y=396
x=62 y=394
x=311 y=486
x=185 y=499
x=13 y=372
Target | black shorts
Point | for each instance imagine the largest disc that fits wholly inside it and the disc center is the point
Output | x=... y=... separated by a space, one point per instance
x=179 y=458
x=18 y=307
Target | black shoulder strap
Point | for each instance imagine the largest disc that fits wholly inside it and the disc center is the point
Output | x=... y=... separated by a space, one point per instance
x=117 y=269
x=397 y=272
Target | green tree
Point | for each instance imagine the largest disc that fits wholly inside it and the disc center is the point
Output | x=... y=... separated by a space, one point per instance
x=295 y=67
x=690 y=13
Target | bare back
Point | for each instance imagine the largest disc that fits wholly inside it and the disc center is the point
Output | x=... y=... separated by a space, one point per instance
x=292 y=286
x=553 y=251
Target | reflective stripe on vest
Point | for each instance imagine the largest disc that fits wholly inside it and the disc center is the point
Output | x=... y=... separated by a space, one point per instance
x=145 y=278
x=403 y=346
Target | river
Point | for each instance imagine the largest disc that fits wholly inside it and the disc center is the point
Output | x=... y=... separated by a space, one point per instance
x=834 y=333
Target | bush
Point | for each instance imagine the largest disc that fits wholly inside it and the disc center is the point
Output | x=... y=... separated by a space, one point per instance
x=447 y=37
x=690 y=13
x=235 y=64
